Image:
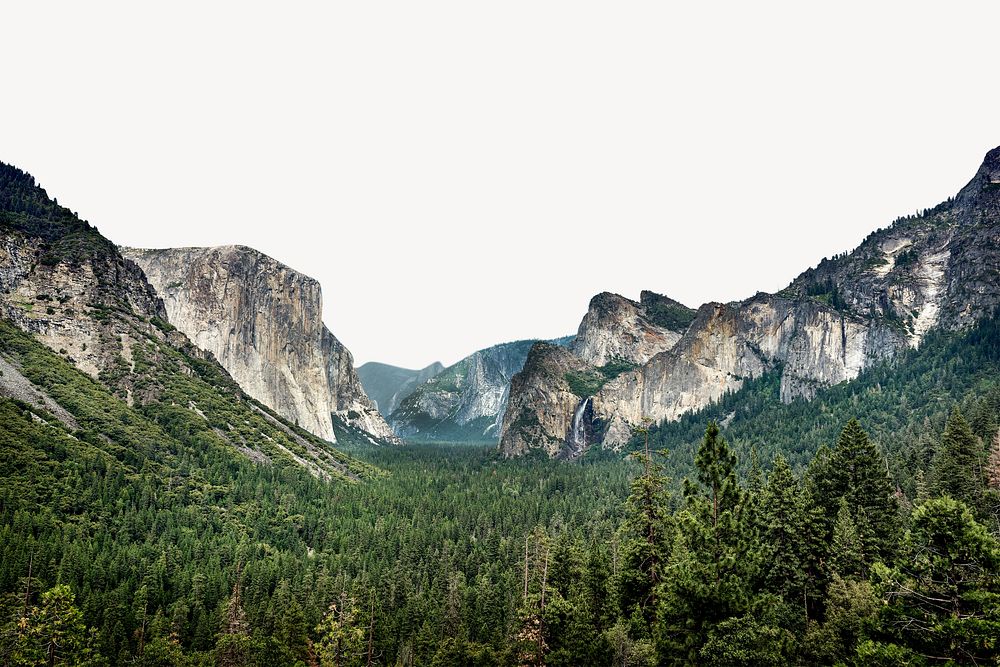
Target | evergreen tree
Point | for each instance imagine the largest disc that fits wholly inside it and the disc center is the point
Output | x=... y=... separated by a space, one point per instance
x=52 y=633
x=709 y=567
x=780 y=537
x=956 y=469
x=341 y=641
x=859 y=475
x=645 y=540
x=848 y=552
x=944 y=592
x=993 y=464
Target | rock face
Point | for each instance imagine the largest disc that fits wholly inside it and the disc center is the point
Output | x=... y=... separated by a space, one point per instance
x=62 y=281
x=730 y=343
x=546 y=405
x=541 y=409
x=619 y=329
x=465 y=401
x=71 y=288
x=937 y=269
x=262 y=321
x=388 y=385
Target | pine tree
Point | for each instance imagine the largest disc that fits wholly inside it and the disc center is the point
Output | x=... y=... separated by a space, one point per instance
x=859 y=475
x=53 y=633
x=993 y=464
x=956 y=471
x=646 y=538
x=944 y=593
x=234 y=648
x=780 y=535
x=710 y=570
x=341 y=641
x=847 y=553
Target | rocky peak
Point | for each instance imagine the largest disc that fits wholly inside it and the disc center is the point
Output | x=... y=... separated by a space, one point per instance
x=62 y=281
x=984 y=188
x=618 y=329
x=263 y=321
x=935 y=269
x=467 y=400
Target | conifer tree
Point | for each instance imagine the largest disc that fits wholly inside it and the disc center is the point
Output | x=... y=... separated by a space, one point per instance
x=780 y=537
x=944 y=593
x=847 y=553
x=709 y=568
x=859 y=475
x=646 y=538
x=956 y=467
x=993 y=464
x=341 y=641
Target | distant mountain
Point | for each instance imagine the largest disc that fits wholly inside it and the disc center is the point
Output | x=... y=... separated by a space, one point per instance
x=933 y=270
x=388 y=385
x=467 y=400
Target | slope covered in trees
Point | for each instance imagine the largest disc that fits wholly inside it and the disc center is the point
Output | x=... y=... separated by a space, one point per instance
x=900 y=402
x=175 y=552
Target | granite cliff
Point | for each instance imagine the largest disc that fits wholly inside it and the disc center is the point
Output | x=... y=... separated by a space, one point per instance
x=262 y=321
x=936 y=269
x=71 y=289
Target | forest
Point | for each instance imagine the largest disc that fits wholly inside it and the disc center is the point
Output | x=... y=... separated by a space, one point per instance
x=860 y=528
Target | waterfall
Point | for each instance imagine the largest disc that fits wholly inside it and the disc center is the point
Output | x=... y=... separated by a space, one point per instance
x=578 y=437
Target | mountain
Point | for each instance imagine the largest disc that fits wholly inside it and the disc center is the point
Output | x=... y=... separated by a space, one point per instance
x=936 y=269
x=465 y=401
x=86 y=351
x=387 y=385
x=262 y=321
x=549 y=405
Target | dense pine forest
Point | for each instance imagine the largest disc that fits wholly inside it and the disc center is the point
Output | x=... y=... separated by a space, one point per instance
x=810 y=537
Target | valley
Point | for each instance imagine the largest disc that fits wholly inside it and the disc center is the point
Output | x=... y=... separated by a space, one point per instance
x=195 y=473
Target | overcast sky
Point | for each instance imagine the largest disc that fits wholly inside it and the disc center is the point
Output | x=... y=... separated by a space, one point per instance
x=459 y=174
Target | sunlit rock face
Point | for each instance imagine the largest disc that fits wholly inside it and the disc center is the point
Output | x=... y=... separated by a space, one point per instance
x=619 y=329
x=542 y=405
x=936 y=269
x=263 y=321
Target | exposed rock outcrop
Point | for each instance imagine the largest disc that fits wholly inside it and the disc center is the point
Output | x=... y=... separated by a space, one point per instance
x=619 y=329
x=70 y=288
x=540 y=411
x=63 y=282
x=937 y=269
x=262 y=321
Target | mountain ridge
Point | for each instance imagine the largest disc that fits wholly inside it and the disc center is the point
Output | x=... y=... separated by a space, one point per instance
x=830 y=323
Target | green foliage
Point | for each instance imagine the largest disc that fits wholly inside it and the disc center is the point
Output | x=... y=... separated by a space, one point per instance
x=710 y=573
x=585 y=383
x=176 y=550
x=588 y=382
x=944 y=592
x=51 y=633
x=956 y=468
x=669 y=314
x=26 y=208
x=645 y=541
x=904 y=404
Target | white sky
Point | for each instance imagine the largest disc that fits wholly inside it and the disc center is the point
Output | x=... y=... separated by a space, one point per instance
x=459 y=174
